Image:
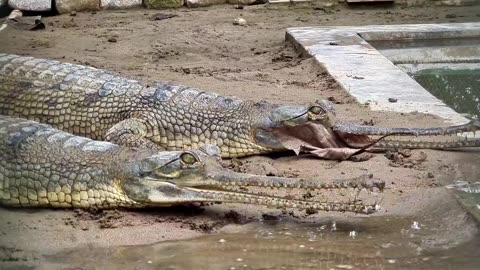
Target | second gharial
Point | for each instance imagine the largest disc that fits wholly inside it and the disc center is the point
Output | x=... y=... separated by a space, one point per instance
x=100 y=105
x=44 y=167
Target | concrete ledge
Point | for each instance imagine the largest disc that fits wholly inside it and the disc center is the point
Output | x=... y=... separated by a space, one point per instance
x=367 y=74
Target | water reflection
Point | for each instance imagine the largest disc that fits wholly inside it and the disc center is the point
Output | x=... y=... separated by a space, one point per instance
x=459 y=89
x=378 y=243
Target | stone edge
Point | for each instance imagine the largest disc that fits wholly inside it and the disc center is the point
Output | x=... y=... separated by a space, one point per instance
x=368 y=75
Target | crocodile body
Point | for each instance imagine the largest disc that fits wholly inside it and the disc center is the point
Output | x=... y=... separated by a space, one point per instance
x=100 y=105
x=44 y=167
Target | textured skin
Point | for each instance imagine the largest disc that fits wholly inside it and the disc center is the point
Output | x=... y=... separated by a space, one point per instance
x=44 y=167
x=41 y=166
x=97 y=104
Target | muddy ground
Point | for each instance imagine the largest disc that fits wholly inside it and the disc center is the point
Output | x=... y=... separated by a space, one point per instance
x=202 y=48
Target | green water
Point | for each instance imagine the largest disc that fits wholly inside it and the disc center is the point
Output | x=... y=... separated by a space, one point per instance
x=460 y=89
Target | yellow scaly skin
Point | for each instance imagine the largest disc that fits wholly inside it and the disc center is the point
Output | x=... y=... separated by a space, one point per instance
x=44 y=167
x=100 y=105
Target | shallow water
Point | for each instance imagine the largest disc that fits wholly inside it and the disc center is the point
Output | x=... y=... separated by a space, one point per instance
x=448 y=68
x=457 y=88
x=360 y=243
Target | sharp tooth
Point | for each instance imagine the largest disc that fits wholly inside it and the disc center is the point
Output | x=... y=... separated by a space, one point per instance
x=470 y=134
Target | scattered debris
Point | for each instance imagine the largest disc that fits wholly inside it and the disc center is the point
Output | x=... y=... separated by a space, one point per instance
x=311 y=211
x=415 y=225
x=161 y=16
x=361 y=157
x=240 y=21
x=335 y=100
x=252 y=167
x=269 y=217
x=405 y=158
x=16 y=20
x=236 y=217
x=69 y=24
x=206 y=227
x=369 y=122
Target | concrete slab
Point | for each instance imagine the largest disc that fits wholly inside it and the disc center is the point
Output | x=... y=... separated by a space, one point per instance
x=28 y=5
x=367 y=74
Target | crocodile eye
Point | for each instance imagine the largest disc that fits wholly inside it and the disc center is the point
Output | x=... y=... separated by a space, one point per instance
x=316 y=110
x=188 y=158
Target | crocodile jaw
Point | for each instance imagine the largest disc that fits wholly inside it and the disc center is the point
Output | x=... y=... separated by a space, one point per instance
x=219 y=185
x=360 y=136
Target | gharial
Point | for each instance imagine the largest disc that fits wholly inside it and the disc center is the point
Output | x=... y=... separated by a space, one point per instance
x=44 y=167
x=100 y=105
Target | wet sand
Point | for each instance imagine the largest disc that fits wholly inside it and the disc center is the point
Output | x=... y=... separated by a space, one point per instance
x=202 y=48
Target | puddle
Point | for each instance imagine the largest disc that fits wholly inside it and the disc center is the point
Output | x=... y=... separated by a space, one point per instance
x=359 y=243
x=448 y=68
x=458 y=88
x=468 y=195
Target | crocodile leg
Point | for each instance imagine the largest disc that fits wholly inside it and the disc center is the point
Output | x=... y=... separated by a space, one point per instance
x=131 y=132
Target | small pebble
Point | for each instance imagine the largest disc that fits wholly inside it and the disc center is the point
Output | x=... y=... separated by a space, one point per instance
x=415 y=225
x=239 y=21
x=391 y=261
x=222 y=241
x=239 y=260
x=238 y=6
x=334 y=226
x=112 y=39
x=73 y=13
x=392 y=100
x=344 y=266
